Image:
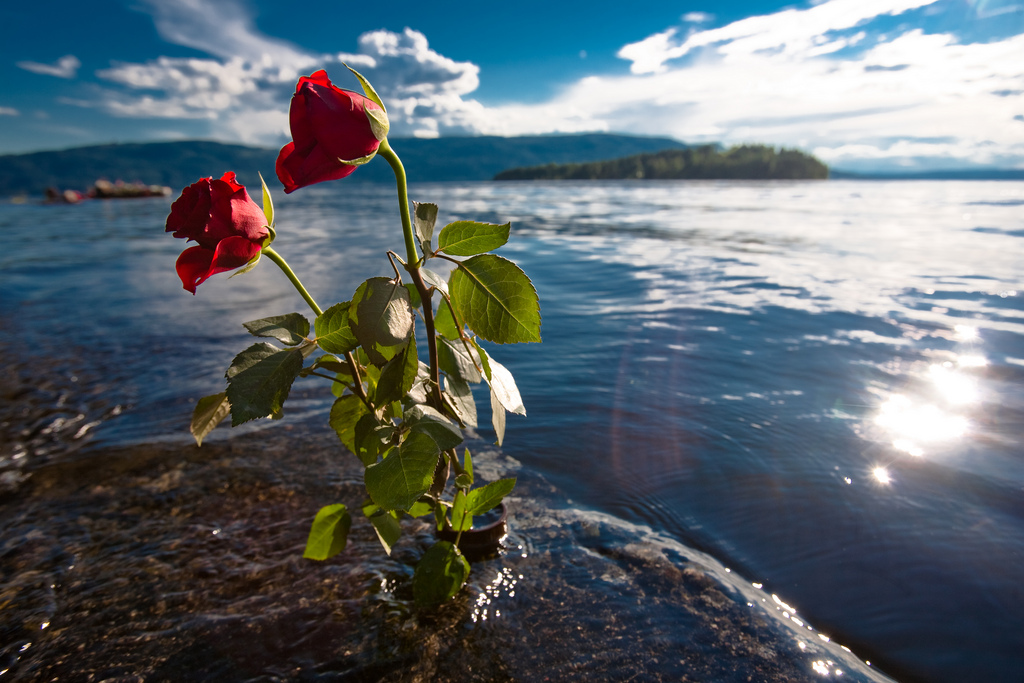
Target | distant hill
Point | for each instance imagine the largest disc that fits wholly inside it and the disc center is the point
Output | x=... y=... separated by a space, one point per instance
x=946 y=174
x=707 y=162
x=178 y=164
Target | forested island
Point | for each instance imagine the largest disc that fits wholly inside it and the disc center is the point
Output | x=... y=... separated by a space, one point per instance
x=704 y=162
x=176 y=164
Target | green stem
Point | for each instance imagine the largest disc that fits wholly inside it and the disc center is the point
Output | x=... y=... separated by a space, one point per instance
x=412 y=259
x=413 y=263
x=283 y=265
x=352 y=364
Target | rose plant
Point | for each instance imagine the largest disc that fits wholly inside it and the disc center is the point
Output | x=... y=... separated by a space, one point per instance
x=401 y=415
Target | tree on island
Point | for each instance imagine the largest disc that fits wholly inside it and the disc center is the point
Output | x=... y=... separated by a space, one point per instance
x=704 y=162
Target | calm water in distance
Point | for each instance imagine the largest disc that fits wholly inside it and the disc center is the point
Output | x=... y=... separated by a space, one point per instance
x=820 y=384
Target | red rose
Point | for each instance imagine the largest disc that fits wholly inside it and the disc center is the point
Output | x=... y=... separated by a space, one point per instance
x=333 y=131
x=227 y=224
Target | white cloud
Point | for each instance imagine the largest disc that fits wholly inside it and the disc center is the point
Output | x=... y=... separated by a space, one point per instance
x=698 y=17
x=9 y=111
x=224 y=29
x=824 y=79
x=423 y=90
x=858 y=82
x=245 y=90
x=66 y=67
x=791 y=31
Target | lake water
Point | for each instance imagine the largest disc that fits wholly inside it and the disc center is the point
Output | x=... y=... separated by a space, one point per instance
x=817 y=385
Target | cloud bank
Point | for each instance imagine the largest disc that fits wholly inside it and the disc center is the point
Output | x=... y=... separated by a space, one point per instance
x=66 y=67
x=864 y=84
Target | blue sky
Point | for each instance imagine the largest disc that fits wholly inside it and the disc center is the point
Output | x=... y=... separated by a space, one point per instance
x=864 y=84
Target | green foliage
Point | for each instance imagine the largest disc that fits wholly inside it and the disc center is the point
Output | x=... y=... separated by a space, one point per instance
x=431 y=422
x=706 y=162
x=259 y=380
x=397 y=376
x=497 y=418
x=456 y=361
x=381 y=318
x=468 y=238
x=291 y=329
x=345 y=414
x=405 y=473
x=462 y=517
x=460 y=397
x=424 y=217
x=333 y=333
x=434 y=280
x=401 y=417
x=496 y=299
x=329 y=533
x=268 y=203
x=385 y=524
x=444 y=323
x=483 y=499
x=210 y=411
x=440 y=574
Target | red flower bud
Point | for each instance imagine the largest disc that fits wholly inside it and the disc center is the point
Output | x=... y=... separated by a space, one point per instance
x=330 y=127
x=227 y=225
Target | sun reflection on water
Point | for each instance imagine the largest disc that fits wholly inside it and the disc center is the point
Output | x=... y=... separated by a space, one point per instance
x=936 y=413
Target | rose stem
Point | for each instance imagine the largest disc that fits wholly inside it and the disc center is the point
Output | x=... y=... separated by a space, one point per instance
x=413 y=266
x=283 y=265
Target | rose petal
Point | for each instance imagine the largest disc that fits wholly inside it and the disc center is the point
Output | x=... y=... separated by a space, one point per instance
x=295 y=170
x=193 y=267
x=189 y=211
x=231 y=253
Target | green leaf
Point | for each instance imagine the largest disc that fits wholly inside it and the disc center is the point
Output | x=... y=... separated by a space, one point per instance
x=259 y=380
x=467 y=463
x=440 y=574
x=434 y=280
x=405 y=474
x=385 y=524
x=414 y=295
x=331 y=363
x=378 y=119
x=210 y=411
x=468 y=238
x=444 y=323
x=248 y=266
x=397 y=377
x=418 y=392
x=462 y=518
x=484 y=498
x=291 y=329
x=329 y=533
x=497 y=417
x=455 y=361
x=381 y=317
x=427 y=420
x=484 y=358
x=464 y=480
x=424 y=217
x=420 y=509
x=504 y=387
x=345 y=414
x=367 y=88
x=495 y=298
x=441 y=514
x=367 y=440
x=460 y=397
x=333 y=333
x=268 y=203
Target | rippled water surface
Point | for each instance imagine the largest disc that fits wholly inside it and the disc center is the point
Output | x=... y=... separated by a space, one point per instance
x=819 y=385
